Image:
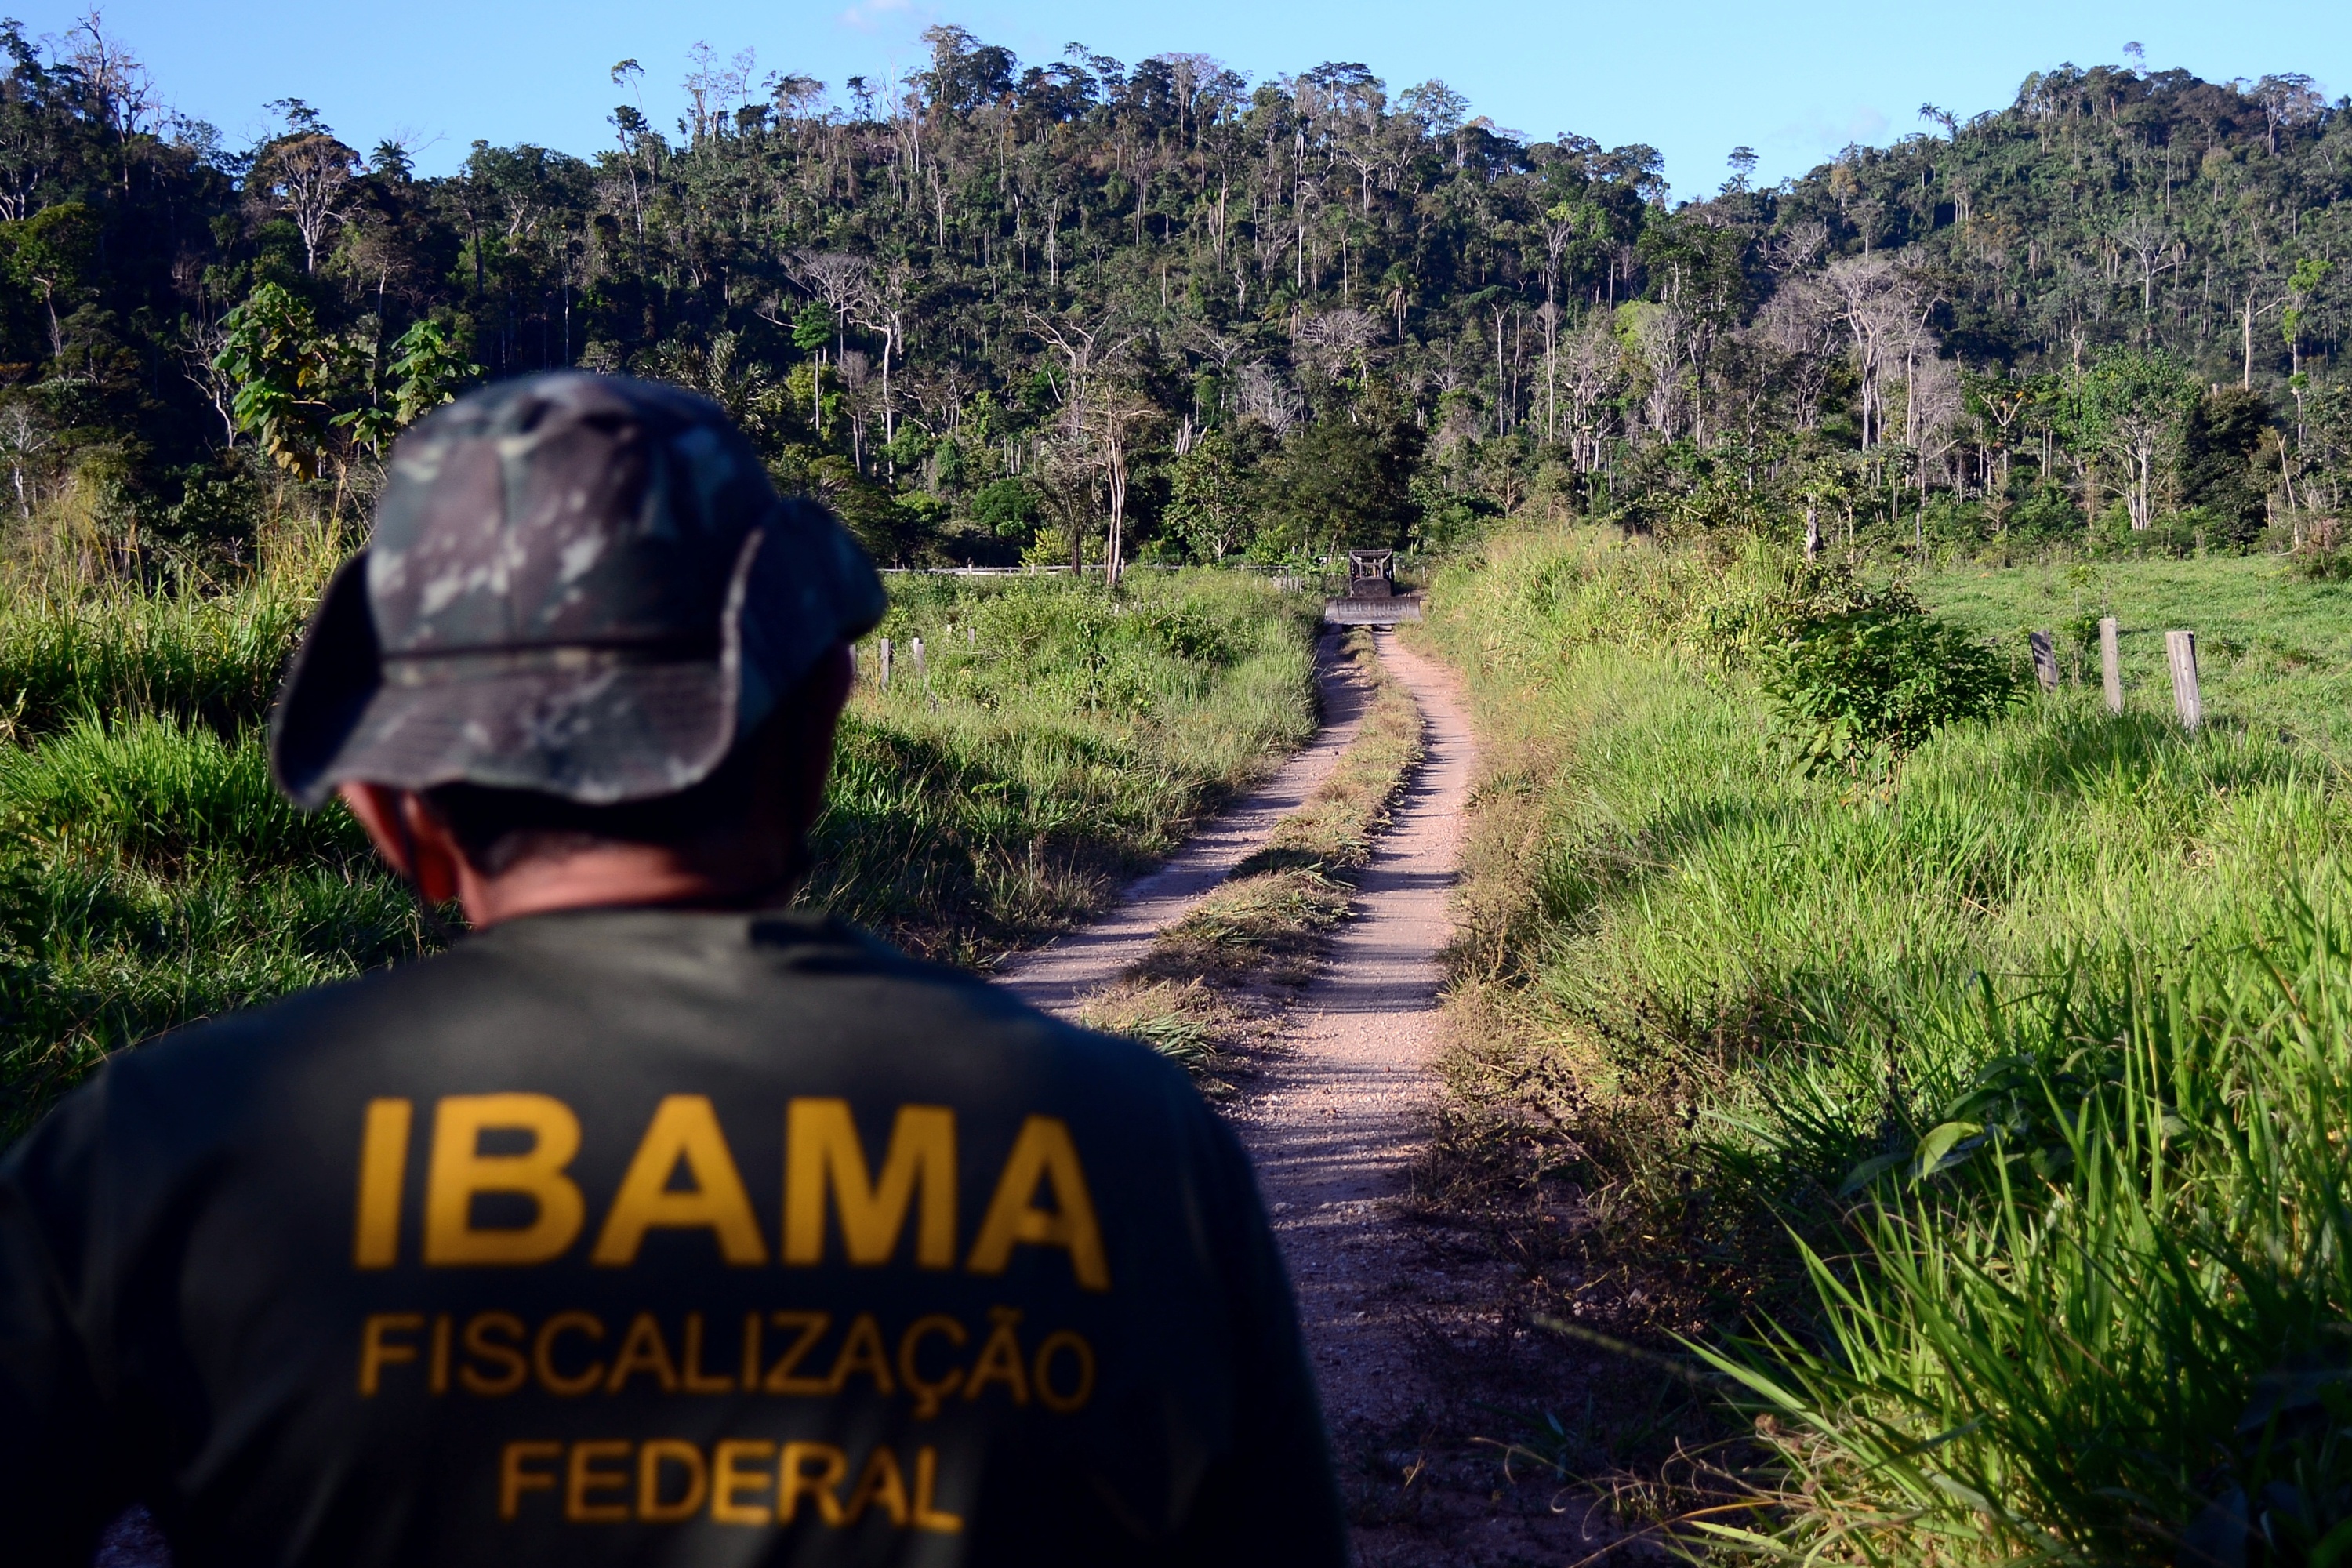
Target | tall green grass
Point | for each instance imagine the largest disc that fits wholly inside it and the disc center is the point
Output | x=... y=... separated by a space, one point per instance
x=1054 y=740
x=1760 y=1007
x=150 y=875
x=2104 y=1313
x=149 y=872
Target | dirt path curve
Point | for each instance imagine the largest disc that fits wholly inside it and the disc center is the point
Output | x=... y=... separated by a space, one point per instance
x=1335 y=1125
x=1057 y=976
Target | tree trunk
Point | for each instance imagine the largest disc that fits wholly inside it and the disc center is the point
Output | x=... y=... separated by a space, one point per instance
x=1115 y=466
x=2246 y=375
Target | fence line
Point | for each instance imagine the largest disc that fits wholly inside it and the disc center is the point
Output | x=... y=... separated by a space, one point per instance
x=2045 y=650
x=2111 y=662
x=2180 y=653
x=2180 y=657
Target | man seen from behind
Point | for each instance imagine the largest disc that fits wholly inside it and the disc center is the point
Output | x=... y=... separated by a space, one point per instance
x=655 y=1223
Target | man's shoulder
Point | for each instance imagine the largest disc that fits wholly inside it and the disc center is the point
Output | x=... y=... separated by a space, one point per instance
x=783 y=985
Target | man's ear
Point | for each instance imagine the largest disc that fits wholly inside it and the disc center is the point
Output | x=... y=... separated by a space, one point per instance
x=410 y=836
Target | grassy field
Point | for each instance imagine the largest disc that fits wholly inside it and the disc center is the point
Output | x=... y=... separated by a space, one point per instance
x=1054 y=741
x=149 y=874
x=1981 y=1128
x=2274 y=652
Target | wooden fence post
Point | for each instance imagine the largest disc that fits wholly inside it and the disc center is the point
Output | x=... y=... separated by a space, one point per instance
x=2045 y=659
x=919 y=672
x=2111 y=663
x=2180 y=653
x=886 y=664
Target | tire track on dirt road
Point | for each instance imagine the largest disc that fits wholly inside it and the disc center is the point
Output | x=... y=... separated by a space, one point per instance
x=1336 y=1124
x=1400 y=1310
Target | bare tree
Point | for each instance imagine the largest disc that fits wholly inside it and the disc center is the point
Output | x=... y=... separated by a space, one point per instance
x=1658 y=333
x=835 y=276
x=2251 y=313
x=305 y=176
x=857 y=376
x=24 y=436
x=1260 y=395
x=1192 y=75
x=1932 y=406
x=1103 y=416
x=1558 y=229
x=1223 y=347
x=1086 y=345
x=202 y=344
x=713 y=89
x=123 y=88
x=878 y=303
x=1115 y=418
x=2289 y=99
x=1798 y=248
x=1358 y=104
x=1885 y=314
x=1064 y=471
x=2151 y=242
x=1801 y=321
x=1592 y=371
x=1335 y=339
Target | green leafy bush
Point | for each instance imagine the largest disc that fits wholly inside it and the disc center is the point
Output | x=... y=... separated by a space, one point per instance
x=1007 y=508
x=1856 y=690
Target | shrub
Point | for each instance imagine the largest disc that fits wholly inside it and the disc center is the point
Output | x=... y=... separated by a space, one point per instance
x=1856 y=690
x=1007 y=508
x=2048 y=512
x=1333 y=486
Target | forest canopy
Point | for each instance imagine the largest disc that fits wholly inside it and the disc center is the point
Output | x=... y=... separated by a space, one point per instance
x=1090 y=311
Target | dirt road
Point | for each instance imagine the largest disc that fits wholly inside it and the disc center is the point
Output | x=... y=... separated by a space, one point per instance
x=1410 y=1354
x=1335 y=1125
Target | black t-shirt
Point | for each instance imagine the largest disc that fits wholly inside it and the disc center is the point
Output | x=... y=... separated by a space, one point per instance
x=639 y=1237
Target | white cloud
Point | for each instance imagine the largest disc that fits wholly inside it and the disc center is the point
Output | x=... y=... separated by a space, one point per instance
x=1822 y=135
x=868 y=16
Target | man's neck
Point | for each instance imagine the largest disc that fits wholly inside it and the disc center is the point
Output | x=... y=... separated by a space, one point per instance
x=619 y=876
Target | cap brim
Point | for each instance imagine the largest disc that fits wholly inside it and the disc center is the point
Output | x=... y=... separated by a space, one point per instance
x=606 y=732
x=335 y=671
x=599 y=727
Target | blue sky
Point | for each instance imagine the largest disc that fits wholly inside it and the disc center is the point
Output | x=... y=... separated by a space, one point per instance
x=1795 y=81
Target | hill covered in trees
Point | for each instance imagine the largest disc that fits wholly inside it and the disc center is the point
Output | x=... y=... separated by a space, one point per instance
x=1084 y=311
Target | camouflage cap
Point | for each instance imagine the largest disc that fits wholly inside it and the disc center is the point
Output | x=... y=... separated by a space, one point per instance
x=580 y=585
